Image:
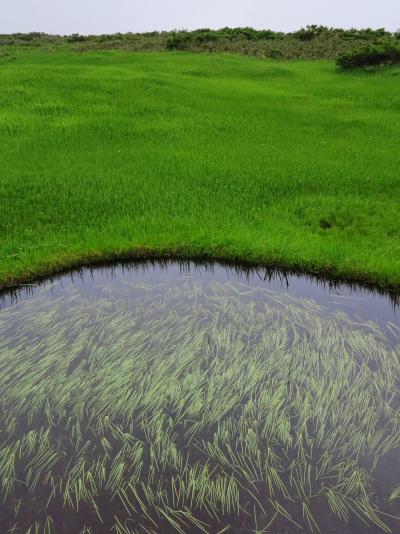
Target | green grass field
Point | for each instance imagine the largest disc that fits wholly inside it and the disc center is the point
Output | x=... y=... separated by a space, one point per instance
x=114 y=154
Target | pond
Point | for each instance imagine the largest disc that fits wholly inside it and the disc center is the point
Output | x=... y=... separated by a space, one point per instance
x=170 y=397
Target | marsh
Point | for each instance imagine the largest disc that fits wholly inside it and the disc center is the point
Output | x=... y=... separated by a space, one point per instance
x=188 y=398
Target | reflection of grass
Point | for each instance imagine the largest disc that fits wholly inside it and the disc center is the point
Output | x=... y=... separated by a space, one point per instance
x=110 y=152
x=192 y=409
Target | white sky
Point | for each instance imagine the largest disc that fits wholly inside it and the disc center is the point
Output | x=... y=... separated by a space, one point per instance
x=109 y=16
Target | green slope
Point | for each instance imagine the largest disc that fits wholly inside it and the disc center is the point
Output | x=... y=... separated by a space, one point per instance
x=111 y=153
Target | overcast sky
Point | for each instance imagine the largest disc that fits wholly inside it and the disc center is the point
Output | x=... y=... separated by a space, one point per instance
x=109 y=16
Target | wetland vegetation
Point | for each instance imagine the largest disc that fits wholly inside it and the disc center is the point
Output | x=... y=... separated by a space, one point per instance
x=206 y=405
x=170 y=403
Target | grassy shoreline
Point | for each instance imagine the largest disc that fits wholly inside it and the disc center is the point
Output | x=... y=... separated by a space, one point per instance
x=111 y=155
x=61 y=266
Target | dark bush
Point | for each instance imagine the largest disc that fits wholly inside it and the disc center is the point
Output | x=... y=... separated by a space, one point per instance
x=182 y=40
x=76 y=38
x=205 y=36
x=249 y=34
x=178 y=40
x=371 y=55
x=309 y=33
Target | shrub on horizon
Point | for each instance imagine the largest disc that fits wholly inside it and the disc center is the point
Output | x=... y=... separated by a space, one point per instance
x=387 y=53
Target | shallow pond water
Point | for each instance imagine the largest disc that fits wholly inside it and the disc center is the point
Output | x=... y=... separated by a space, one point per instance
x=198 y=398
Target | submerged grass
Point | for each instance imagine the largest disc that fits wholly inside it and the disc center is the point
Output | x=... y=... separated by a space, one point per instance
x=186 y=408
x=112 y=154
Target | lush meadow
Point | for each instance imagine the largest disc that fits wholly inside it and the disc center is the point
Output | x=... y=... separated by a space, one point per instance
x=111 y=153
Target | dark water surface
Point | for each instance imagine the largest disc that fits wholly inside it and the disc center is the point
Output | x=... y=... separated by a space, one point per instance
x=178 y=397
x=358 y=301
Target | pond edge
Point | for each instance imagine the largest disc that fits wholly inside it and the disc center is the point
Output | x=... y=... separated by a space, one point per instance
x=330 y=276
